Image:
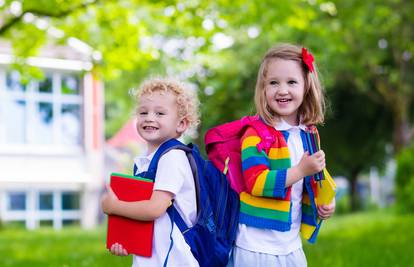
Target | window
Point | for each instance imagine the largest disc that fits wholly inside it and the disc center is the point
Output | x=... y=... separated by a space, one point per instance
x=47 y=112
x=71 y=222
x=45 y=201
x=46 y=208
x=16 y=201
x=70 y=201
x=13 y=82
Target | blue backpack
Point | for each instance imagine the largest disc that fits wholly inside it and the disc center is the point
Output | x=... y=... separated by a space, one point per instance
x=212 y=236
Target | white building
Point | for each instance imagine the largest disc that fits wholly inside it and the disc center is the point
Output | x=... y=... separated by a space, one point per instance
x=51 y=139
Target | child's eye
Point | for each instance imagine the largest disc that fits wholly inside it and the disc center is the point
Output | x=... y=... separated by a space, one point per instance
x=143 y=113
x=160 y=113
x=273 y=83
x=292 y=82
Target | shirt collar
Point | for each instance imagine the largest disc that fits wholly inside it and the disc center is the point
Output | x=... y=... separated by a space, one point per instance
x=282 y=125
x=143 y=161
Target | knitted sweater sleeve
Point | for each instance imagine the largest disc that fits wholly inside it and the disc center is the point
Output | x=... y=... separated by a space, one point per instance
x=259 y=178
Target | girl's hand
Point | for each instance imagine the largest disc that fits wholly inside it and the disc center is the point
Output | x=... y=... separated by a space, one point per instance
x=326 y=211
x=118 y=250
x=312 y=164
x=108 y=201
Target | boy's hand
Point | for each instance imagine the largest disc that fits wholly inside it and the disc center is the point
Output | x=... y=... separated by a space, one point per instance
x=312 y=164
x=326 y=211
x=108 y=201
x=118 y=249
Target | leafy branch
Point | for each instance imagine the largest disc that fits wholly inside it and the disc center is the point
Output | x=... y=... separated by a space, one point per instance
x=43 y=13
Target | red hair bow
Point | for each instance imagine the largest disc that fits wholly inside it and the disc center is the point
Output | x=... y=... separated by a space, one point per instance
x=307 y=59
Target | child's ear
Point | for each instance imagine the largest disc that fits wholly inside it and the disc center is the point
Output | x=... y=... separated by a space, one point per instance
x=182 y=125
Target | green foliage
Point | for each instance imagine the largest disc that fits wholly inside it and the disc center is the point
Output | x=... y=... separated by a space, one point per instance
x=360 y=46
x=405 y=180
x=356 y=132
x=343 y=205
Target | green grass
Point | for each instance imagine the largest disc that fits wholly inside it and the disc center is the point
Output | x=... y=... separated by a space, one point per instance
x=366 y=239
x=70 y=247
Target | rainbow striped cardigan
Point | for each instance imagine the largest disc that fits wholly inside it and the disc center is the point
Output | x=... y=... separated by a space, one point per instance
x=266 y=204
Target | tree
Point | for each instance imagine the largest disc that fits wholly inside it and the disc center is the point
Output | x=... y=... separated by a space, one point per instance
x=354 y=137
x=376 y=54
x=13 y=12
x=365 y=46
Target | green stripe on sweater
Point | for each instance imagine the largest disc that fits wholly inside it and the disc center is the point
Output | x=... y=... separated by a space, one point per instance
x=279 y=164
x=250 y=151
x=307 y=209
x=264 y=213
x=269 y=184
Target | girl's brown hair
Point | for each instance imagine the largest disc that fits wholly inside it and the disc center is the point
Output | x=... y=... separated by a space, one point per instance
x=312 y=109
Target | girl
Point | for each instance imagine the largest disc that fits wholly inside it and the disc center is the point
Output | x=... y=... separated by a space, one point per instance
x=166 y=109
x=279 y=200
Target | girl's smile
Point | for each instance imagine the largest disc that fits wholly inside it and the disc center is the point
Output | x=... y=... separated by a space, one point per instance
x=284 y=89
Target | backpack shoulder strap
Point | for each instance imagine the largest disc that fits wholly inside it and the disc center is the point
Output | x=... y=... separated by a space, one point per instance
x=164 y=148
x=171 y=210
x=267 y=139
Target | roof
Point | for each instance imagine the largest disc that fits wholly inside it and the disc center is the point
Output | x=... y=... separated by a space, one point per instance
x=126 y=135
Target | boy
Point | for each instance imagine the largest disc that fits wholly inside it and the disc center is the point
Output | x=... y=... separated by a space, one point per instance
x=165 y=109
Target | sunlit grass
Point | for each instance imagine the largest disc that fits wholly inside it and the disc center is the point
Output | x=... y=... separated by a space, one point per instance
x=365 y=239
x=65 y=248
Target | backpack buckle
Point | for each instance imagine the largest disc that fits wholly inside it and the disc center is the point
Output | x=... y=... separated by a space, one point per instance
x=226 y=166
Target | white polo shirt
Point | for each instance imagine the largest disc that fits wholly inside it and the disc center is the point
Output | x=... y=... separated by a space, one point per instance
x=173 y=175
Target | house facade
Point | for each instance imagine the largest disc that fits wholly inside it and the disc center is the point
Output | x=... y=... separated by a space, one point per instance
x=51 y=139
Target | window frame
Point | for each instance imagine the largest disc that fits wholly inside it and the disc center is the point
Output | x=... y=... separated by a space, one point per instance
x=33 y=98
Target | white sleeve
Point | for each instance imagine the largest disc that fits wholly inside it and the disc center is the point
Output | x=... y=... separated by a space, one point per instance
x=171 y=171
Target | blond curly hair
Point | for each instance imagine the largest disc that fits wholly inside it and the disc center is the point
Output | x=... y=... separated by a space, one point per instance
x=186 y=98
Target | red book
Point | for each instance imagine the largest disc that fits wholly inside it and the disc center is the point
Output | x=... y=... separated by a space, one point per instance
x=135 y=236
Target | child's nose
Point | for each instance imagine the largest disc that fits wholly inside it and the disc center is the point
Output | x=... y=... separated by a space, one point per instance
x=283 y=89
x=150 y=117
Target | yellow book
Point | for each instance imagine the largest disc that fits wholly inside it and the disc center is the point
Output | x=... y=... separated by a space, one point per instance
x=326 y=189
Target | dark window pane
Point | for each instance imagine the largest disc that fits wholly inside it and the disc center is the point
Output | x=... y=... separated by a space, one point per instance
x=45 y=112
x=70 y=222
x=13 y=82
x=70 y=201
x=46 y=223
x=70 y=85
x=46 y=85
x=17 y=201
x=45 y=201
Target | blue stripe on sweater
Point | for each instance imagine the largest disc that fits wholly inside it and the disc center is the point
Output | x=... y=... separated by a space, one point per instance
x=308 y=219
x=280 y=184
x=254 y=161
x=263 y=222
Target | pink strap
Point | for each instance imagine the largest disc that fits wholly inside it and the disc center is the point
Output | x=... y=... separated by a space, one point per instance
x=267 y=139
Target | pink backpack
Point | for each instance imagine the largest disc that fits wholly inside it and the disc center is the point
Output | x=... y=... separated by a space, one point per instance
x=223 y=147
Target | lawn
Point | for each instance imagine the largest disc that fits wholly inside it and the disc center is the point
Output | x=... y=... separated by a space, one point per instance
x=71 y=247
x=366 y=239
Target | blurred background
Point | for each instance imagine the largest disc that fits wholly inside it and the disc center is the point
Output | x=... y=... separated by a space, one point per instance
x=66 y=115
